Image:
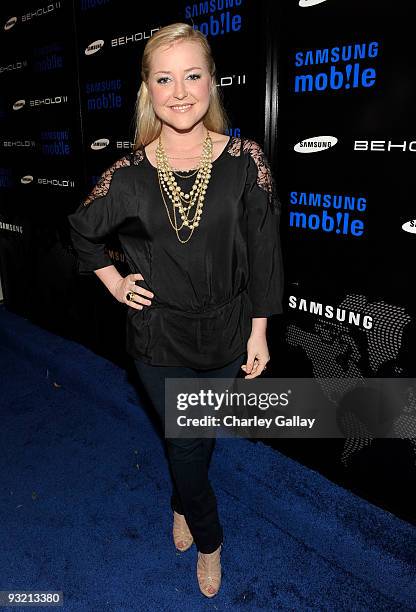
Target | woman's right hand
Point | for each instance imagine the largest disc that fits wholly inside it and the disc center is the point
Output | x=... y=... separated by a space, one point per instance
x=126 y=284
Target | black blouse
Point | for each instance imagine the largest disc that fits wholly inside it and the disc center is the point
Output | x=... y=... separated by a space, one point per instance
x=207 y=290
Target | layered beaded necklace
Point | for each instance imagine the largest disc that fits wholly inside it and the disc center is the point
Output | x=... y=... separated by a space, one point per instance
x=186 y=203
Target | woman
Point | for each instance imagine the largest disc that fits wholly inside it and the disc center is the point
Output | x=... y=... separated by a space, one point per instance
x=197 y=216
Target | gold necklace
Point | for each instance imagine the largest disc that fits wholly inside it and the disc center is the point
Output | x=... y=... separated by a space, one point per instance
x=184 y=202
x=185 y=175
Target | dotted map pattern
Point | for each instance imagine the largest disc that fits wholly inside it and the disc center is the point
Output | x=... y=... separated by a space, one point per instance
x=335 y=354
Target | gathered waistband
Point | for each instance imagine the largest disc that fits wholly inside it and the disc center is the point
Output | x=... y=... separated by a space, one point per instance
x=196 y=313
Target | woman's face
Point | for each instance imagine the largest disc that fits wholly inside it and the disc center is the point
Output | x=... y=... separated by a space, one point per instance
x=179 y=85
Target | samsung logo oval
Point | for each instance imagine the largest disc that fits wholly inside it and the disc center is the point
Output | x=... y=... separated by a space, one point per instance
x=10 y=23
x=410 y=226
x=19 y=104
x=315 y=144
x=101 y=143
x=28 y=178
x=306 y=3
x=94 y=47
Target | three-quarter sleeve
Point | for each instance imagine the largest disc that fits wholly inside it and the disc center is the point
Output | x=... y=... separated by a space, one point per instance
x=264 y=249
x=97 y=217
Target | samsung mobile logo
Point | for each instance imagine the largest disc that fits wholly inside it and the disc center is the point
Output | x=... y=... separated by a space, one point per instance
x=10 y=23
x=305 y=3
x=99 y=144
x=19 y=104
x=26 y=179
x=410 y=226
x=315 y=144
x=94 y=47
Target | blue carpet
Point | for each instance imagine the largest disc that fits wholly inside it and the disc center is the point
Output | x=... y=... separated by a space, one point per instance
x=85 y=504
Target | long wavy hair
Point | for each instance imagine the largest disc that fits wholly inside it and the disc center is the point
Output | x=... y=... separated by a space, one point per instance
x=147 y=125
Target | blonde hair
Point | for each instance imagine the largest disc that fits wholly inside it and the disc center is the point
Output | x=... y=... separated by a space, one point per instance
x=147 y=125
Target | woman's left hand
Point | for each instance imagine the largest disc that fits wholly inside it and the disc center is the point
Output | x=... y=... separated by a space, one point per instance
x=257 y=355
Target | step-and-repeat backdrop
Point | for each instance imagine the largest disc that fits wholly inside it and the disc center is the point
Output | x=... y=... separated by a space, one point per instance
x=70 y=73
x=342 y=155
x=346 y=148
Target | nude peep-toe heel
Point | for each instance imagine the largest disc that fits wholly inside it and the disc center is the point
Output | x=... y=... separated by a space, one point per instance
x=181 y=535
x=208 y=570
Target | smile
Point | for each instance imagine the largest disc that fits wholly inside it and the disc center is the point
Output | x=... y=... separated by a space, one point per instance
x=181 y=109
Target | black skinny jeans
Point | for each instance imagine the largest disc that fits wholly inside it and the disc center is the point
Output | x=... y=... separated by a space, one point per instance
x=189 y=458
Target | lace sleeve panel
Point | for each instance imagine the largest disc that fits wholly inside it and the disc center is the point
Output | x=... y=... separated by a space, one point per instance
x=103 y=184
x=265 y=179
